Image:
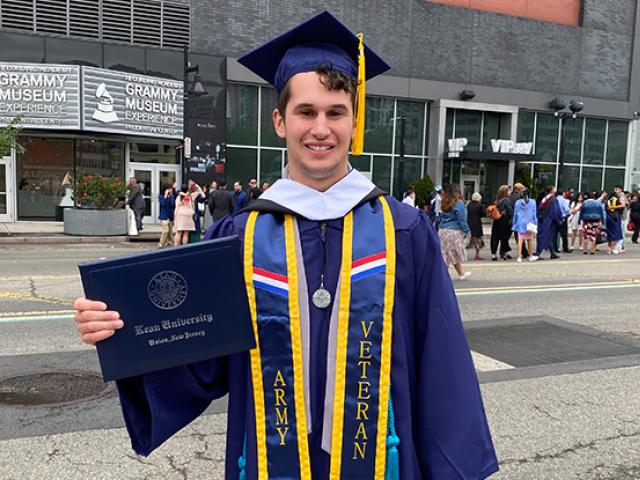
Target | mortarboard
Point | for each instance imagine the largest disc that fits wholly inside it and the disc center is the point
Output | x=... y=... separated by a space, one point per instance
x=321 y=40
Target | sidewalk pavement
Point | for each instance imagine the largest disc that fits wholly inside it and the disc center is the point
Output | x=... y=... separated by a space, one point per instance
x=53 y=232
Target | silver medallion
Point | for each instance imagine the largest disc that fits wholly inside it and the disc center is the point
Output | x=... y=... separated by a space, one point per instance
x=321 y=297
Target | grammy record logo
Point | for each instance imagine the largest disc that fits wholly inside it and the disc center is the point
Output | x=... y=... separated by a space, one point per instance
x=104 y=109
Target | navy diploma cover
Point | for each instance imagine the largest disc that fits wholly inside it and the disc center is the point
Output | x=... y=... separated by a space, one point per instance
x=173 y=313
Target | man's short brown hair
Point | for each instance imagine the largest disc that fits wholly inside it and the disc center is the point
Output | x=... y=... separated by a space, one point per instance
x=330 y=78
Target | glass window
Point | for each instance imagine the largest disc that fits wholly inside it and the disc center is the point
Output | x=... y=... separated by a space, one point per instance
x=362 y=163
x=617 y=143
x=525 y=126
x=547 y=138
x=414 y=127
x=612 y=177
x=268 y=137
x=242 y=114
x=166 y=64
x=153 y=153
x=382 y=172
x=74 y=52
x=241 y=164
x=522 y=174
x=97 y=157
x=544 y=175
x=378 y=132
x=455 y=170
x=270 y=166
x=569 y=177
x=468 y=124
x=42 y=171
x=491 y=129
x=594 y=141
x=446 y=170
x=213 y=70
x=571 y=140
x=124 y=59
x=448 y=128
x=470 y=167
x=591 y=179
x=21 y=48
x=412 y=167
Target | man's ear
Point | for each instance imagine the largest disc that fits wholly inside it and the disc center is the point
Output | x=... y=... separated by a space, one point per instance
x=278 y=123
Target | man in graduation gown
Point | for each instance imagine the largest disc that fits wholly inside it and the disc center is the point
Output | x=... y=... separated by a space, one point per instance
x=550 y=218
x=436 y=421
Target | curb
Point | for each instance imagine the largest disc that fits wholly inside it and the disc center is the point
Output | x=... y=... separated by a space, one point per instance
x=67 y=239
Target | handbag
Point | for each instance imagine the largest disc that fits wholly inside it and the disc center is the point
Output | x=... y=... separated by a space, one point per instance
x=493 y=212
x=602 y=238
x=532 y=228
x=631 y=226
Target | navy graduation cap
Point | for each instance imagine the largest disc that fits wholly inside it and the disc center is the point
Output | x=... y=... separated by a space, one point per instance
x=321 y=40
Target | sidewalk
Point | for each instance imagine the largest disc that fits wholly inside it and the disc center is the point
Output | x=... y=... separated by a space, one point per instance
x=53 y=232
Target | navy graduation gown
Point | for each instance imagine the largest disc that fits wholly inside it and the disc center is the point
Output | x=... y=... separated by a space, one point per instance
x=549 y=219
x=439 y=413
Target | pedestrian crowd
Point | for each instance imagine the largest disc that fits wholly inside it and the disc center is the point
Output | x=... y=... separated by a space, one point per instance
x=553 y=223
x=182 y=210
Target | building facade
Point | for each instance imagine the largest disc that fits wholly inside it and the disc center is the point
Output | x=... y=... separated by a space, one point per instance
x=475 y=93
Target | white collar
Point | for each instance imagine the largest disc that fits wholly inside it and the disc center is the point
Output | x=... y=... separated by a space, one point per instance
x=333 y=203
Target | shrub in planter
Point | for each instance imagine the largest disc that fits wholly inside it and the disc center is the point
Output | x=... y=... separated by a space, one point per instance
x=98 y=192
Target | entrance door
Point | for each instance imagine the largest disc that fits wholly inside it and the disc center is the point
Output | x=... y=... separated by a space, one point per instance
x=7 y=213
x=154 y=177
x=469 y=186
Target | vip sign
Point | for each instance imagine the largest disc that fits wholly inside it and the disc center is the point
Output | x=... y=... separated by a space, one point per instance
x=456 y=145
x=132 y=104
x=509 y=146
x=46 y=96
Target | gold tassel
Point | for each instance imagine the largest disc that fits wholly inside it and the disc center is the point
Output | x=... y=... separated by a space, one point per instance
x=357 y=145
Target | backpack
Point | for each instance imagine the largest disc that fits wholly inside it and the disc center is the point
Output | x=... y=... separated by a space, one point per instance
x=493 y=212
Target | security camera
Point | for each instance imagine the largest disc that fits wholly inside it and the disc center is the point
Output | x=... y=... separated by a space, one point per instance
x=576 y=106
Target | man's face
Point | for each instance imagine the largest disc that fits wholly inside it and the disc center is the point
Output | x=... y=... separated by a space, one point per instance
x=253 y=183
x=237 y=187
x=318 y=130
x=617 y=190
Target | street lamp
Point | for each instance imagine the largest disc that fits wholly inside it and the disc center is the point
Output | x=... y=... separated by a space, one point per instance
x=557 y=105
x=195 y=90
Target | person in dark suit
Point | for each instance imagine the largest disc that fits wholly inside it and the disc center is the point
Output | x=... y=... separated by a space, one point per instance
x=220 y=201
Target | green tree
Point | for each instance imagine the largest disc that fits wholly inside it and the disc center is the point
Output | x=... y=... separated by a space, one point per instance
x=423 y=188
x=8 y=136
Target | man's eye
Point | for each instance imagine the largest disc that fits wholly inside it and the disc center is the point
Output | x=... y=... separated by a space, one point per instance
x=306 y=113
x=335 y=113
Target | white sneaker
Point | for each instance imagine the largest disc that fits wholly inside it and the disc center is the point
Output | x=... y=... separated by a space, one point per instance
x=519 y=259
x=464 y=276
x=533 y=258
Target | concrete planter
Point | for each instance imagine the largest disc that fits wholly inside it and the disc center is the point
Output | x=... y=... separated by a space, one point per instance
x=88 y=222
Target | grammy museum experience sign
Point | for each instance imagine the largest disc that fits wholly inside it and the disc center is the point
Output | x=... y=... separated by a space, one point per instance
x=92 y=99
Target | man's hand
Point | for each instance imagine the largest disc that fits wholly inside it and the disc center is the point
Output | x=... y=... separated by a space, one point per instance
x=94 y=321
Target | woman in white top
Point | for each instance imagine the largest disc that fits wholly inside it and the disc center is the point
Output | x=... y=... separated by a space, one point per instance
x=574 y=221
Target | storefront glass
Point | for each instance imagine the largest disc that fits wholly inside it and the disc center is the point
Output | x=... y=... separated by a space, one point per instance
x=490 y=129
x=378 y=136
x=269 y=101
x=594 y=141
x=412 y=167
x=242 y=114
x=468 y=125
x=382 y=172
x=571 y=141
x=591 y=179
x=414 y=127
x=546 y=138
x=242 y=163
x=97 y=157
x=617 y=143
x=569 y=177
x=270 y=166
x=526 y=122
x=613 y=177
x=153 y=153
x=42 y=171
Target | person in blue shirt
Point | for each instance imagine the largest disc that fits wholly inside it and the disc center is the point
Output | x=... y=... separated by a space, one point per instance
x=427 y=421
x=525 y=223
x=239 y=196
x=453 y=229
x=592 y=217
x=167 y=206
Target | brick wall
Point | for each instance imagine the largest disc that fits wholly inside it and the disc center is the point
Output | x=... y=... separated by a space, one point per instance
x=427 y=40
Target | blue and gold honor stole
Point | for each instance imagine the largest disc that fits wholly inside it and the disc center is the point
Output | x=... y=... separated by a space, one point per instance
x=363 y=351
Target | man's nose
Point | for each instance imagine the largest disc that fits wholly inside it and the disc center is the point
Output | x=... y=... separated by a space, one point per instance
x=320 y=127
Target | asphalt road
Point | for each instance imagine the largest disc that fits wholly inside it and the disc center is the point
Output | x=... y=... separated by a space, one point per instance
x=564 y=406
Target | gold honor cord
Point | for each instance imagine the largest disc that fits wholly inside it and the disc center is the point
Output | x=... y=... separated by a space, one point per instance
x=387 y=331
x=296 y=347
x=256 y=363
x=341 y=350
x=357 y=145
